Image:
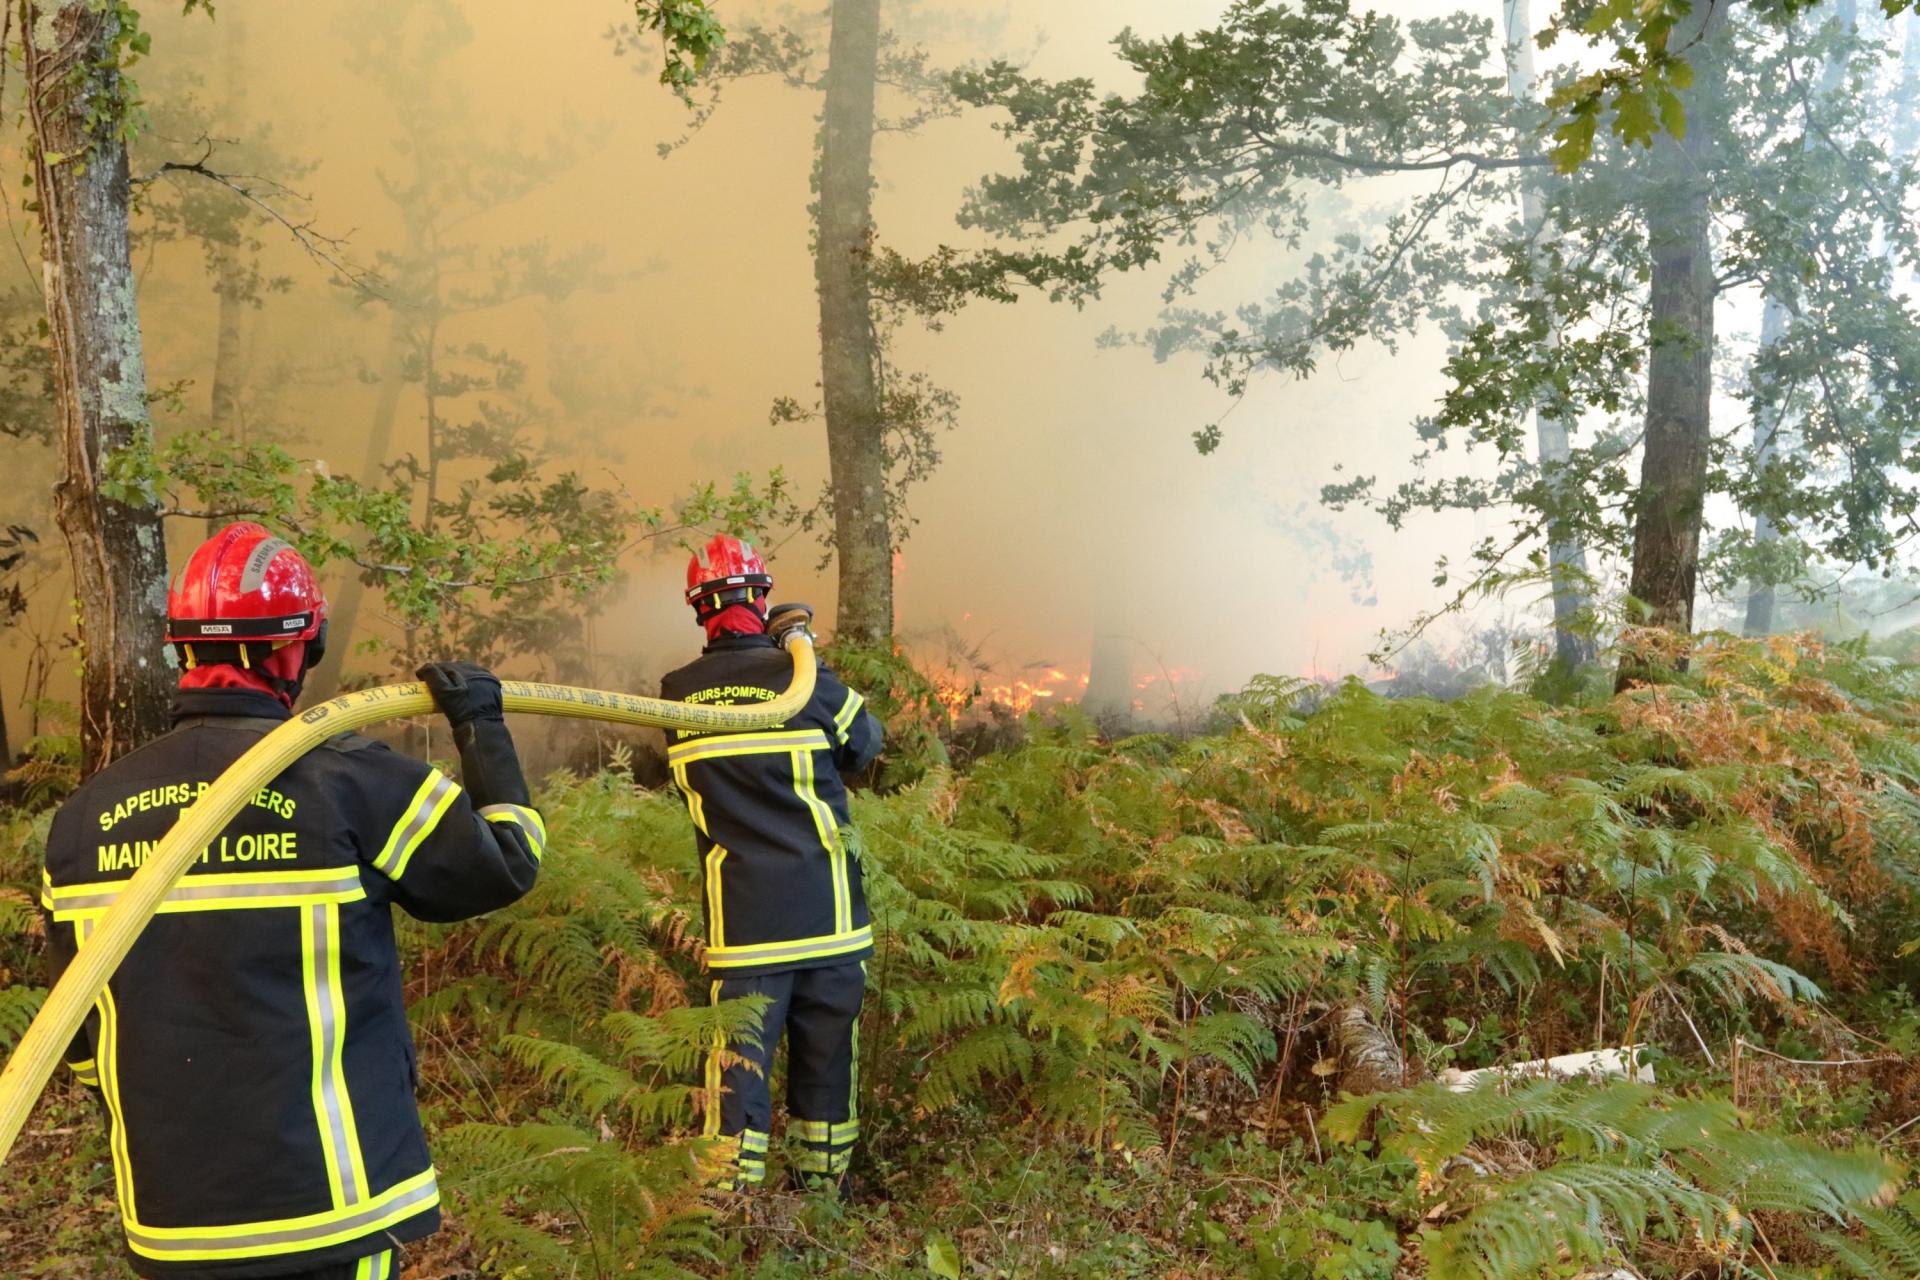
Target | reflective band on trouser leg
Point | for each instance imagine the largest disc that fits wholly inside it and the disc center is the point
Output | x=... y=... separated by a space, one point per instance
x=753 y=1158
x=379 y=1266
x=288 y=1235
x=712 y=1127
x=423 y=814
x=528 y=820
x=326 y=1016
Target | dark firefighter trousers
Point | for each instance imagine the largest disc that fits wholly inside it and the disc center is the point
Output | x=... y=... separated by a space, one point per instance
x=818 y=1010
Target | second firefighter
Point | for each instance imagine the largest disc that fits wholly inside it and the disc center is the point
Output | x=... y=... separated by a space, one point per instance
x=785 y=909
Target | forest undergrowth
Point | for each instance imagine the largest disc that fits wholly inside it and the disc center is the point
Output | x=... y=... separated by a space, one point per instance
x=1159 y=1007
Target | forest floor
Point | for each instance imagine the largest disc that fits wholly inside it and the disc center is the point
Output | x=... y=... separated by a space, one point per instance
x=1159 y=1007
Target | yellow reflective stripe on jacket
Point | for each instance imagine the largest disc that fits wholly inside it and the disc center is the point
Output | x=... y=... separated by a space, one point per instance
x=220 y=891
x=527 y=819
x=832 y=944
x=379 y=1266
x=696 y=806
x=87 y=1072
x=829 y=832
x=326 y=1023
x=286 y=1235
x=843 y=722
x=747 y=744
x=107 y=1056
x=716 y=904
x=423 y=813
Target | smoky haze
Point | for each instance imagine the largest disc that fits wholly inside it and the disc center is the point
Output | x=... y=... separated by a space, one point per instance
x=1070 y=500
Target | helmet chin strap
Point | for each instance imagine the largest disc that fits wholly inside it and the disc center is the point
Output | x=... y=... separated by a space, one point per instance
x=260 y=665
x=712 y=609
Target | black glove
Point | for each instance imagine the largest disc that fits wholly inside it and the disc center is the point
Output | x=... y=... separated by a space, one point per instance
x=783 y=619
x=464 y=691
x=469 y=696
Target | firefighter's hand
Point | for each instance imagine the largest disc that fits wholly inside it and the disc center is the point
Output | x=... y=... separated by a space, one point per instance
x=788 y=618
x=464 y=691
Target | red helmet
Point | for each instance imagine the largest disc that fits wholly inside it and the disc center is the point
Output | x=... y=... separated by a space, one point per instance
x=244 y=586
x=726 y=571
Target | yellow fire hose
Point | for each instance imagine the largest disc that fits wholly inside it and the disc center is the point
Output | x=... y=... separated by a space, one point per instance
x=46 y=1041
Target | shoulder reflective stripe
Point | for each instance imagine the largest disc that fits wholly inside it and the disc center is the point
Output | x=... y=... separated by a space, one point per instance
x=46 y=888
x=528 y=820
x=829 y=831
x=716 y=904
x=798 y=949
x=747 y=744
x=287 y=1235
x=843 y=722
x=223 y=890
x=423 y=814
x=326 y=1017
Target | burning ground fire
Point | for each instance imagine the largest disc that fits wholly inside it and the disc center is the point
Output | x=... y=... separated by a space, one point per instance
x=1018 y=694
x=1052 y=686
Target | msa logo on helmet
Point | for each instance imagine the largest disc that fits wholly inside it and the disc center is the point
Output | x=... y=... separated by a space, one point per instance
x=216 y=628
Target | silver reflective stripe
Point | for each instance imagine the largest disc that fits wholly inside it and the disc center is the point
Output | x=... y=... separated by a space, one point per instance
x=335 y=1121
x=528 y=820
x=843 y=722
x=254 y=572
x=714 y=746
x=343 y=1225
x=818 y=946
x=414 y=827
x=187 y=890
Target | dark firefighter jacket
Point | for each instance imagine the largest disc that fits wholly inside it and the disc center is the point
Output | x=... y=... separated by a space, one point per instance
x=252 y=1051
x=782 y=889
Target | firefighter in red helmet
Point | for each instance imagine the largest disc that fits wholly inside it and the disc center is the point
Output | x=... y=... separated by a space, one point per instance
x=252 y=1051
x=786 y=913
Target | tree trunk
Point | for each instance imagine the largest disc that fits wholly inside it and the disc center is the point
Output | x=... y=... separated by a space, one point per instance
x=118 y=554
x=230 y=285
x=1906 y=123
x=1763 y=594
x=344 y=613
x=1669 y=507
x=849 y=356
x=1566 y=558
